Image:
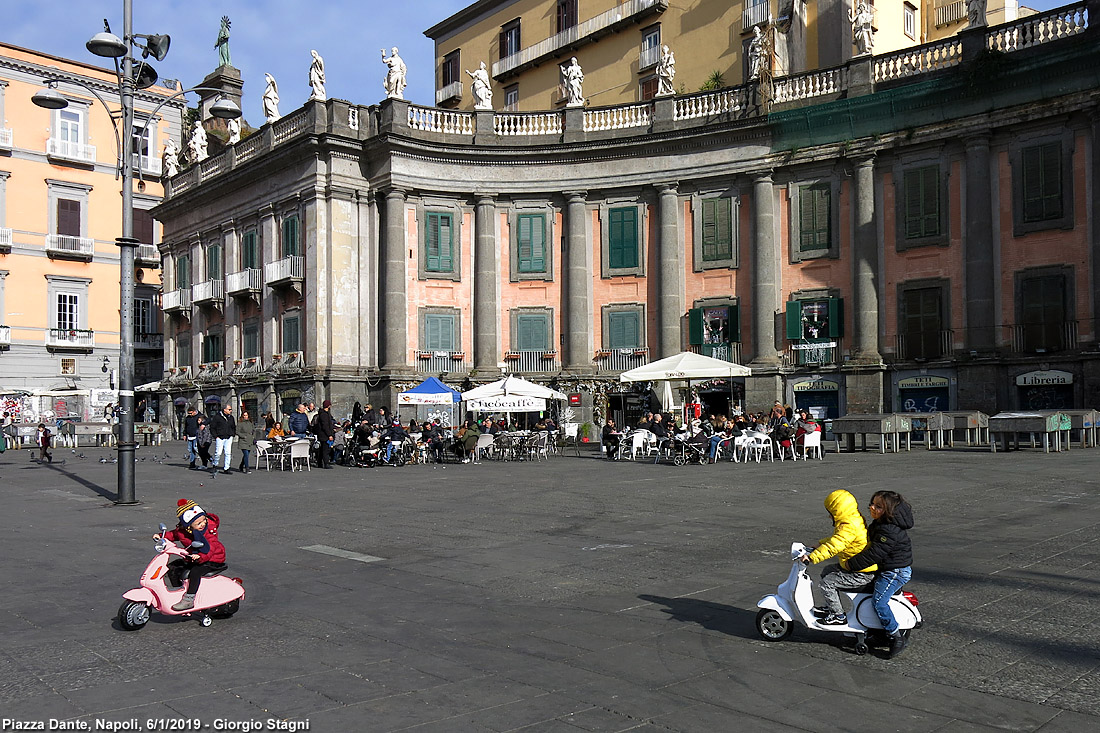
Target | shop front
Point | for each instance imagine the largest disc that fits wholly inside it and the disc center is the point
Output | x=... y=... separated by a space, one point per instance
x=923 y=392
x=1048 y=389
x=822 y=396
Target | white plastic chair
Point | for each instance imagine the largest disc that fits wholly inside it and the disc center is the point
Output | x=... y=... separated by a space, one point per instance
x=263 y=450
x=483 y=447
x=299 y=451
x=759 y=445
x=811 y=443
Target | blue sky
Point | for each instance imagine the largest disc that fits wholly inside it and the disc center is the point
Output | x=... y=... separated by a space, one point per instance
x=272 y=36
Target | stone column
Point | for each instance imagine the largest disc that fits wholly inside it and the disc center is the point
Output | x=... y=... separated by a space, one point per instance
x=577 y=319
x=865 y=347
x=1094 y=205
x=231 y=310
x=486 y=298
x=765 y=272
x=269 y=302
x=978 y=248
x=394 y=299
x=670 y=255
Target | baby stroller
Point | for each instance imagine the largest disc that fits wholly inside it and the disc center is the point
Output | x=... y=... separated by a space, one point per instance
x=686 y=451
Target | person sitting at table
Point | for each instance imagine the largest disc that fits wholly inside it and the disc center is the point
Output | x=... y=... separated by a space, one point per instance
x=492 y=427
x=660 y=428
x=467 y=440
x=805 y=424
x=393 y=434
x=611 y=438
x=646 y=421
x=432 y=436
x=550 y=424
x=275 y=432
x=540 y=425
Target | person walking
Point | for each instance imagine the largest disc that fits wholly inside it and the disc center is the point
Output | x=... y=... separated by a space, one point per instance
x=246 y=440
x=325 y=429
x=224 y=428
x=191 y=433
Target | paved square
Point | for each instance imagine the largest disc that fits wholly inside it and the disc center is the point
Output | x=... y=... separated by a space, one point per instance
x=574 y=594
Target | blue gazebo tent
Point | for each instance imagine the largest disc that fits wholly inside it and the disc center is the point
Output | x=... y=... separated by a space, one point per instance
x=430 y=392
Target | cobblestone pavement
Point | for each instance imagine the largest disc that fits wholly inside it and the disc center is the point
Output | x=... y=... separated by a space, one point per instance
x=574 y=594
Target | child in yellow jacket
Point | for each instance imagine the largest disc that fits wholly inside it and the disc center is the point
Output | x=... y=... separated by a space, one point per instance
x=849 y=538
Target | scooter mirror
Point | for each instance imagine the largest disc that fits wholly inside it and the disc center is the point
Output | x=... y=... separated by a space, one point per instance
x=196 y=544
x=163 y=529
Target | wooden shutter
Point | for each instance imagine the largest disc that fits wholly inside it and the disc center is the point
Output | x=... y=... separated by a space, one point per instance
x=68 y=217
x=249 y=258
x=532 y=332
x=531 y=244
x=922 y=202
x=695 y=326
x=717 y=229
x=290 y=236
x=735 y=324
x=439 y=252
x=623 y=237
x=1042 y=182
x=183 y=272
x=814 y=217
x=794 y=320
x=143 y=226
x=836 y=317
x=213 y=262
x=624 y=330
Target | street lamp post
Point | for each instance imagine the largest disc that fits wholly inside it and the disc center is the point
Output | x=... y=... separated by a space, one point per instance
x=108 y=45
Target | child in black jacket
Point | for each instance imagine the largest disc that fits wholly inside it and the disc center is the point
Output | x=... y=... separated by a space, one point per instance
x=889 y=548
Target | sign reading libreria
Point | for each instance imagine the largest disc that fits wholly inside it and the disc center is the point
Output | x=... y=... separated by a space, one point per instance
x=1044 y=378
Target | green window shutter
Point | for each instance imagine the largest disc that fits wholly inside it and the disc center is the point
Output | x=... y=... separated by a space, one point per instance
x=623 y=236
x=710 y=234
x=291 y=245
x=1042 y=182
x=794 y=320
x=695 y=326
x=717 y=229
x=836 y=317
x=183 y=272
x=440 y=332
x=814 y=214
x=291 y=334
x=439 y=243
x=213 y=263
x=531 y=244
x=922 y=202
x=249 y=254
x=624 y=330
x=1052 y=181
x=735 y=324
x=532 y=332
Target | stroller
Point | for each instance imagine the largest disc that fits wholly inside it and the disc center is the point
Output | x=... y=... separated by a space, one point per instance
x=686 y=451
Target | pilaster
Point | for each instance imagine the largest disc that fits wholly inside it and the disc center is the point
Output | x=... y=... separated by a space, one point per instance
x=865 y=262
x=978 y=247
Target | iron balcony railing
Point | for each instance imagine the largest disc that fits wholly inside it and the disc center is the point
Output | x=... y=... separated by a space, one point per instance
x=64 y=244
x=5 y=237
x=247 y=367
x=805 y=353
x=176 y=300
x=68 y=150
x=428 y=362
x=757 y=11
x=451 y=91
x=178 y=374
x=143 y=340
x=919 y=345
x=211 y=371
x=208 y=291
x=949 y=11
x=288 y=362
x=148 y=253
x=649 y=57
x=1040 y=338
x=245 y=281
x=73 y=338
x=621 y=360
x=532 y=361
x=285 y=270
x=147 y=164
x=729 y=351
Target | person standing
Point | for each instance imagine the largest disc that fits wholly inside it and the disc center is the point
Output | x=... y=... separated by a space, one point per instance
x=224 y=428
x=246 y=440
x=191 y=433
x=298 y=423
x=325 y=429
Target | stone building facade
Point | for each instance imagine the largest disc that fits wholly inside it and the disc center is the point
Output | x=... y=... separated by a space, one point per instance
x=877 y=236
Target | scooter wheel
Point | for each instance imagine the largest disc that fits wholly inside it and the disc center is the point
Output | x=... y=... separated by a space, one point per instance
x=772 y=626
x=860 y=649
x=132 y=615
x=205 y=620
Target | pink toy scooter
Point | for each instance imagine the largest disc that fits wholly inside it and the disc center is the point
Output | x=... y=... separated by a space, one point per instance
x=218 y=596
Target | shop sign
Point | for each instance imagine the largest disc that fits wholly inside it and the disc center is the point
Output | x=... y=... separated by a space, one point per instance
x=815 y=345
x=574 y=400
x=817 y=385
x=1044 y=378
x=924 y=381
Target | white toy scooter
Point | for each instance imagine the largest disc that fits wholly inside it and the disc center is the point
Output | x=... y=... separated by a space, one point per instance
x=794 y=600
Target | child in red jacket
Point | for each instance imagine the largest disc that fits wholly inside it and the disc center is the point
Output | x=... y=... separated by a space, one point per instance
x=197 y=531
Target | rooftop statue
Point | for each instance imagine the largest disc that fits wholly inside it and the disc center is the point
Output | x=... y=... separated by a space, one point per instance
x=395 y=81
x=863 y=32
x=975 y=13
x=234 y=128
x=666 y=72
x=317 y=77
x=223 y=43
x=481 y=88
x=757 y=52
x=171 y=158
x=196 y=146
x=271 y=99
x=572 y=76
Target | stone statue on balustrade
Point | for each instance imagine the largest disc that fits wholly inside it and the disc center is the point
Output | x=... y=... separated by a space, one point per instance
x=863 y=32
x=234 y=128
x=222 y=44
x=481 y=88
x=317 y=78
x=396 y=75
x=171 y=158
x=271 y=99
x=572 y=77
x=975 y=13
x=758 y=52
x=666 y=72
x=196 y=146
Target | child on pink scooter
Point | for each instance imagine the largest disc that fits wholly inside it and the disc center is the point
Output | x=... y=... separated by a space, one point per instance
x=198 y=531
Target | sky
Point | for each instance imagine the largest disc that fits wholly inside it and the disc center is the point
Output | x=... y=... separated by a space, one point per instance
x=267 y=36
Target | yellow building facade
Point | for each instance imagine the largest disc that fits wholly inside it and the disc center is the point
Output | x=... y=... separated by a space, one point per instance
x=60 y=212
x=618 y=43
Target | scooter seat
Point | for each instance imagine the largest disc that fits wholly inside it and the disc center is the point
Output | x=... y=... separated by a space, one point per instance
x=214 y=568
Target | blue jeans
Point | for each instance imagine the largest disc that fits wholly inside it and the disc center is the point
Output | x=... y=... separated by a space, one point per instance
x=192 y=450
x=887 y=583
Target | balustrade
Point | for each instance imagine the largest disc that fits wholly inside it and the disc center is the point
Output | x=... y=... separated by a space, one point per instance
x=430 y=119
x=618 y=118
x=537 y=123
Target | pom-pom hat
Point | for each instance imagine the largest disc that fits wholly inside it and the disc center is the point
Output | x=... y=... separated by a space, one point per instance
x=188 y=511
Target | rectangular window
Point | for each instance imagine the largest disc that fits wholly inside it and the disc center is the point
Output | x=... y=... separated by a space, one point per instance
x=144 y=321
x=212 y=348
x=291 y=237
x=814 y=328
x=450 y=71
x=1042 y=182
x=439 y=243
x=68 y=366
x=511 y=98
x=70 y=124
x=250 y=342
x=532 y=332
x=439 y=332
x=531 y=243
x=910 y=20
x=567 y=14
x=651 y=47
x=922 y=324
x=67 y=316
x=509 y=39
x=140 y=145
x=68 y=217
x=624 y=329
x=814 y=217
x=647 y=88
x=183 y=272
x=183 y=350
x=292 y=334
x=143 y=226
x=717 y=229
x=214 y=262
x=250 y=250
x=622 y=246
x=922 y=202
x=1043 y=313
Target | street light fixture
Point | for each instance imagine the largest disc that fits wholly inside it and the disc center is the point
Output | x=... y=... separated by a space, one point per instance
x=108 y=45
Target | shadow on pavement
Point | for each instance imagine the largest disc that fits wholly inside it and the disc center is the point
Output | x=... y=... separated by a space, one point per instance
x=714 y=616
x=111 y=495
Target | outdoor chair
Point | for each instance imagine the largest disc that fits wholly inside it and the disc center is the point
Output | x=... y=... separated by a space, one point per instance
x=484 y=447
x=299 y=452
x=263 y=450
x=811 y=443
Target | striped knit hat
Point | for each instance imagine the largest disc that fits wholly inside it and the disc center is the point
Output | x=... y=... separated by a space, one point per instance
x=188 y=511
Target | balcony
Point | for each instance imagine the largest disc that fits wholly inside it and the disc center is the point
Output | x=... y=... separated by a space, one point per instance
x=1042 y=338
x=621 y=360
x=630 y=11
x=150 y=341
x=211 y=371
x=70 y=338
x=66 y=150
x=925 y=345
x=812 y=353
x=5 y=337
x=451 y=91
x=756 y=12
x=287 y=271
x=176 y=301
x=208 y=292
x=532 y=361
x=178 y=375
x=292 y=362
x=65 y=247
x=5 y=138
x=5 y=239
x=730 y=352
x=436 y=362
x=147 y=255
x=247 y=282
x=649 y=57
x=249 y=367
x=949 y=11
x=147 y=164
